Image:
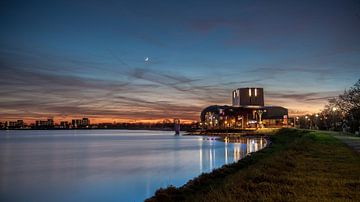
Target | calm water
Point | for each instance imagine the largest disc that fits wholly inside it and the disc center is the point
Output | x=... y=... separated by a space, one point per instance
x=106 y=165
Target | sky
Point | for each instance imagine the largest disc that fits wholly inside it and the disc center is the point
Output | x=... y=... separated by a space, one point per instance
x=68 y=59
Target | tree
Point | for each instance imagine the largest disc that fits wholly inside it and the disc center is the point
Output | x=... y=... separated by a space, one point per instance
x=350 y=104
x=345 y=107
x=350 y=100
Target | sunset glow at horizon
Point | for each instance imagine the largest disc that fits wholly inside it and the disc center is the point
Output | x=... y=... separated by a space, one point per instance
x=145 y=61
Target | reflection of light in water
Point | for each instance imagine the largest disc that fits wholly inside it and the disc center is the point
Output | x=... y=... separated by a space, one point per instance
x=213 y=149
x=226 y=153
x=210 y=153
x=253 y=145
x=237 y=151
x=200 y=155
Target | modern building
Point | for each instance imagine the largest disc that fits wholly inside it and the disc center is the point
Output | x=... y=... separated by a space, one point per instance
x=247 y=111
x=85 y=122
x=243 y=97
x=44 y=124
x=64 y=124
x=76 y=123
x=20 y=123
x=11 y=124
x=80 y=123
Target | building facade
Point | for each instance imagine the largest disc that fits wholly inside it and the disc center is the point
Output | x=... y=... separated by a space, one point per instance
x=80 y=123
x=247 y=111
x=243 y=97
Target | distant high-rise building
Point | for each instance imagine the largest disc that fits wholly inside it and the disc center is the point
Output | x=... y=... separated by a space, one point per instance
x=85 y=122
x=20 y=123
x=80 y=123
x=64 y=124
x=44 y=124
x=50 y=122
x=11 y=124
x=76 y=123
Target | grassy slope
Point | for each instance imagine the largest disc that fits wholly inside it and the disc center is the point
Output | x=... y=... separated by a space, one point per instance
x=299 y=165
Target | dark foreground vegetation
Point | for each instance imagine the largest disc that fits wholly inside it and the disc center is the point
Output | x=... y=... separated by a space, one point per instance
x=298 y=165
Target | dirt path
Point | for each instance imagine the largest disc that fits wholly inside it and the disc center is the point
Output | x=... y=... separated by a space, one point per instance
x=353 y=142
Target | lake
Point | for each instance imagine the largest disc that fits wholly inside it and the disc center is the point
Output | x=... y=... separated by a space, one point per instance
x=106 y=165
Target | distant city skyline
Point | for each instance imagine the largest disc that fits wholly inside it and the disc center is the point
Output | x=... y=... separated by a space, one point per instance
x=146 y=61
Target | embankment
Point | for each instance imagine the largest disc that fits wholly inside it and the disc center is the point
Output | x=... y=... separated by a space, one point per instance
x=298 y=165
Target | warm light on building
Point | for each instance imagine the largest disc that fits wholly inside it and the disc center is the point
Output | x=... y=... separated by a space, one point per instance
x=247 y=111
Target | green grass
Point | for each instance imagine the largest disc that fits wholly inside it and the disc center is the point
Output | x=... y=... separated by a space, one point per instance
x=298 y=166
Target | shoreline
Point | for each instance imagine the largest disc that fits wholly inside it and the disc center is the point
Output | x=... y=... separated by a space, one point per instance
x=236 y=137
x=234 y=132
x=294 y=166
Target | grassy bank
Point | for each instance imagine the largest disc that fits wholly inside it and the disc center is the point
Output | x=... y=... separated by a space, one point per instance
x=299 y=165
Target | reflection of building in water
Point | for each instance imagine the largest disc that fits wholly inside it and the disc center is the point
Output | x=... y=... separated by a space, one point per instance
x=207 y=155
x=239 y=151
x=232 y=152
x=212 y=157
x=226 y=153
x=200 y=155
x=253 y=145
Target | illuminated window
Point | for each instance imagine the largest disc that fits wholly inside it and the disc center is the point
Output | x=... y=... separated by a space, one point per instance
x=234 y=94
x=250 y=92
x=255 y=92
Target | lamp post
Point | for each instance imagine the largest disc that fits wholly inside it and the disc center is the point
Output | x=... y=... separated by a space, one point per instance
x=334 y=110
x=316 y=121
x=297 y=122
x=260 y=112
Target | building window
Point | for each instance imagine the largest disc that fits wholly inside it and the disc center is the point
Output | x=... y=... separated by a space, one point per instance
x=255 y=92
x=250 y=92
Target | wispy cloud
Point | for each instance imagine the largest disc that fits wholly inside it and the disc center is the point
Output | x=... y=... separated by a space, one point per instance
x=301 y=96
x=145 y=94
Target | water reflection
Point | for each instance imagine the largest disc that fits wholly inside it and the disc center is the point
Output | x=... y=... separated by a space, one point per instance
x=107 y=165
x=232 y=152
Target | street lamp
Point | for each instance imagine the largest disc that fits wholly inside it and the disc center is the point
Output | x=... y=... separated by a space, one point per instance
x=334 y=110
x=306 y=122
x=297 y=122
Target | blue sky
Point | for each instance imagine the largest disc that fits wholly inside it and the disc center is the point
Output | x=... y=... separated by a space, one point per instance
x=66 y=59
